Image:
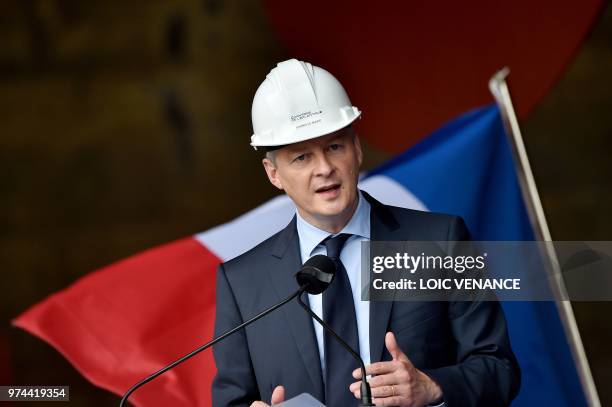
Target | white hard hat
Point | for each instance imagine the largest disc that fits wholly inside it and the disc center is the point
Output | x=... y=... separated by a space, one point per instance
x=298 y=101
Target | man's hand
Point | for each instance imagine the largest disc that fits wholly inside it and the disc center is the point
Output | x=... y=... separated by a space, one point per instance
x=278 y=396
x=398 y=382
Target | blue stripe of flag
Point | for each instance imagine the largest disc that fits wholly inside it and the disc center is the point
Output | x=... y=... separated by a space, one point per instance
x=466 y=168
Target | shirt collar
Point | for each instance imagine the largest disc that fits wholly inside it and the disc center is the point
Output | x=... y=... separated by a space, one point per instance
x=310 y=236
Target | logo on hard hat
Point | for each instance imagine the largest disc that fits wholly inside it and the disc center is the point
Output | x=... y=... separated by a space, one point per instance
x=304 y=115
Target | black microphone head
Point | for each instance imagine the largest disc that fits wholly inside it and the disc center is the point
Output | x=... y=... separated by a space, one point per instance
x=316 y=274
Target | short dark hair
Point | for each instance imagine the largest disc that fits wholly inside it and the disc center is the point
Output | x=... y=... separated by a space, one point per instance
x=271 y=155
x=269 y=150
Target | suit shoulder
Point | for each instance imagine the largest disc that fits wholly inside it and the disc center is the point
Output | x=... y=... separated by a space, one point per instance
x=432 y=225
x=252 y=256
x=435 y=217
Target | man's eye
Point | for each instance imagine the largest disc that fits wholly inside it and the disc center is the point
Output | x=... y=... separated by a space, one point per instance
x=301 y=157
x=335 y=147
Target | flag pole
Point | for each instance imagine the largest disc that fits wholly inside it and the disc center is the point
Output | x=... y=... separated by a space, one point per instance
x=501 y=93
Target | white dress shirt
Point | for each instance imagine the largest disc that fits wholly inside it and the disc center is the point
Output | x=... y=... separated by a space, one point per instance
x=310 y=245
x=310 y=239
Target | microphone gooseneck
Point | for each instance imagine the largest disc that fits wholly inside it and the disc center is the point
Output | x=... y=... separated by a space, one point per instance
x=206 y=346
x=315 y=276
x=366 y=394
x=318 y=272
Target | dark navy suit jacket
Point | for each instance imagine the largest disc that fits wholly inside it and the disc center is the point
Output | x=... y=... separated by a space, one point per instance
x=463 y=346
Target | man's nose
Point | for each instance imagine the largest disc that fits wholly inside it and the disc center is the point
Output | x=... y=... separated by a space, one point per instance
x=324 y=167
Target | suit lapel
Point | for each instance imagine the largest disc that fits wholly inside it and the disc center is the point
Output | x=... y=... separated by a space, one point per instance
x=287 y=252
x=382 y=227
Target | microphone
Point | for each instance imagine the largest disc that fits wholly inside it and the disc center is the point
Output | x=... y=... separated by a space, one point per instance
x=316 y=275
x=316 y=278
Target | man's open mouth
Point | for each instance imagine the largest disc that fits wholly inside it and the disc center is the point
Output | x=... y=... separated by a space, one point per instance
x=328 y=188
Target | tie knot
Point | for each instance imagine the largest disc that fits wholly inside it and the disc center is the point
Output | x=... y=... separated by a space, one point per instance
x=334 y=245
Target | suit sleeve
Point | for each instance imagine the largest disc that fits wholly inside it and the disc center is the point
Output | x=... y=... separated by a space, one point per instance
x=234 y=384
x=486 y=373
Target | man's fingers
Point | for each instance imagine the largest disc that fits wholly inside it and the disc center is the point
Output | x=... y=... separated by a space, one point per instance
x=379 y=368
x=376 y=381
x=389 y=389
x=278 y=395
x=394 y=349
x=388 y=401
x=259 y=404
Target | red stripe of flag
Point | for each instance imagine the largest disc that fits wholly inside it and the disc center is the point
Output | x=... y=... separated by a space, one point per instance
x=122 y=322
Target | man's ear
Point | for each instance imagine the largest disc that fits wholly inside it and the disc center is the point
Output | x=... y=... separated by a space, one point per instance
x=272 y=173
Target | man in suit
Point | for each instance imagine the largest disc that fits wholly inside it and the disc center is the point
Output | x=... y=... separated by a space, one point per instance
x=418 y=353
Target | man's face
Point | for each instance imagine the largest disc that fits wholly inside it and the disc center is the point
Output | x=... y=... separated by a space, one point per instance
x=320 y=176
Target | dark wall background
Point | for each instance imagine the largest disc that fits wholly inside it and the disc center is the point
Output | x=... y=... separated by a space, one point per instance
x=126 y=125
x=569 y=139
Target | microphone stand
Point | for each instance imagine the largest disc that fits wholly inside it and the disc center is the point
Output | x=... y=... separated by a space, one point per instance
x=209 y=344
x=366 y=394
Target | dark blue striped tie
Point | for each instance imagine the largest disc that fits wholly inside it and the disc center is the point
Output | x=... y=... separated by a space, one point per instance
x=339 y=313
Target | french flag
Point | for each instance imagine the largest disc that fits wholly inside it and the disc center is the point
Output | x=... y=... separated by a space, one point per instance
x=123 y=322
